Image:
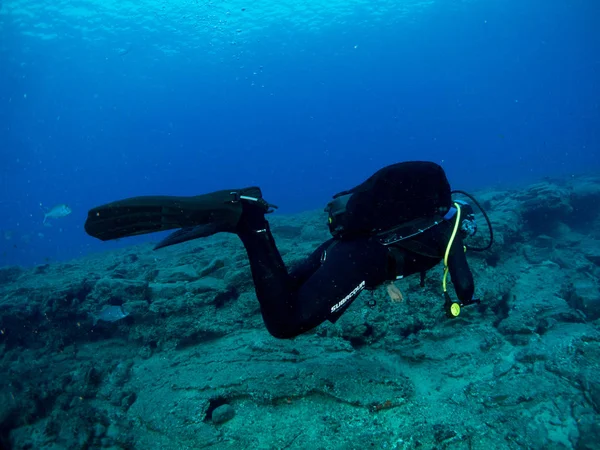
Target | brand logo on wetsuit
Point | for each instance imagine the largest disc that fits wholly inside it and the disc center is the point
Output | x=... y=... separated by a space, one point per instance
x=352 y=294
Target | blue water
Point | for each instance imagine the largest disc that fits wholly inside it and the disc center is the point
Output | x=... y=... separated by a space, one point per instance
x=101 y=100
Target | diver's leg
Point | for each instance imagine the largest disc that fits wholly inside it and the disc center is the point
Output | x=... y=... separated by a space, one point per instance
x=305 y=269
x=288 y=309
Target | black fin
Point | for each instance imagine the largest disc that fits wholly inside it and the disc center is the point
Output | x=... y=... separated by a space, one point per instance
x=187 y=234
x=142 y=215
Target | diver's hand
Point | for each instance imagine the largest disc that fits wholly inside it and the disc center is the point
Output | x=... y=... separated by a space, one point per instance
x=394 y=293
x=474 y=300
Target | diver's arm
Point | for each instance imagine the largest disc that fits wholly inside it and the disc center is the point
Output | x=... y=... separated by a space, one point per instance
x=460 y=272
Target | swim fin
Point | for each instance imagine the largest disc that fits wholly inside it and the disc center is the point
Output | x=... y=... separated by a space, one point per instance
x=187 y=234
x=212 y=213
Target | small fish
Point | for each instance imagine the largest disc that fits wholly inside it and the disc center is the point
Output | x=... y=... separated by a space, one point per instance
x=110 y=314
x=122 y=51
x=56 y=212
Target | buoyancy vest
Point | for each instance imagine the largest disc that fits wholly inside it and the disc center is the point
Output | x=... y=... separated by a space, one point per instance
x=407 y=197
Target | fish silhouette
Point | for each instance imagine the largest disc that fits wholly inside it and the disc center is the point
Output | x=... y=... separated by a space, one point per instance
x=56 y=212
x=109 y=314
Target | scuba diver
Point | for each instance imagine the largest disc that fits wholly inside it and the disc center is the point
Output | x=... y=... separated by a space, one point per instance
x=400 y=221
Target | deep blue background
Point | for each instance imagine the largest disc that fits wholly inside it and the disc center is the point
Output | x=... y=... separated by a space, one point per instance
x=499 y=92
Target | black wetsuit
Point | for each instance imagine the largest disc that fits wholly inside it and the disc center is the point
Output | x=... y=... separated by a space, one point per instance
x=326 y=283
